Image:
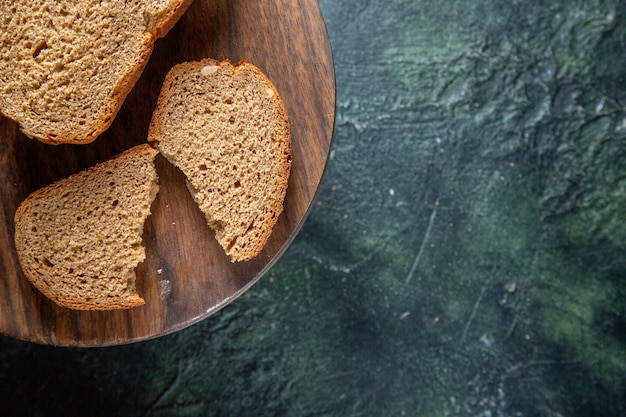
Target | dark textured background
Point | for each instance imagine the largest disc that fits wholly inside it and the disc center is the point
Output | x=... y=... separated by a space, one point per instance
x=466 y=255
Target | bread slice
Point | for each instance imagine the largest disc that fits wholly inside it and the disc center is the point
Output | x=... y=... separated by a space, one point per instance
x=67 y=66
x=79 y=240
x=226 y=128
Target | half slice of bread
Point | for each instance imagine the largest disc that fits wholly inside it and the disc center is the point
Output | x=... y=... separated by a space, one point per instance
x=67 y=66
x=79 y=240
x=226 y=128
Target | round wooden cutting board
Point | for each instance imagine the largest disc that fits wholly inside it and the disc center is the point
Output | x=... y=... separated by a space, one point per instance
x=186 y=275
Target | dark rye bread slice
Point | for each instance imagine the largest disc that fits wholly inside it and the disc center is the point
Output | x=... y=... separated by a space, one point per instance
x=79 y=240
x=226 y=128
x=67 y=66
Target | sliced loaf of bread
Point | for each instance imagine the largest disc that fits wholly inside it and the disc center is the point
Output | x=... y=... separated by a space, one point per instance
x=225 y=126
x=79 y=240
x=67 y=66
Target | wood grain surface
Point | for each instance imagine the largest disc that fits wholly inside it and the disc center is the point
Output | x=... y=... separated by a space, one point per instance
x=186 y=276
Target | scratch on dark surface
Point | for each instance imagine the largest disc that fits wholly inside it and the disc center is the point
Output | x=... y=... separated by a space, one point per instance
x=537 y=363
x=472 y=315
x=416 y=261
x=169 y=390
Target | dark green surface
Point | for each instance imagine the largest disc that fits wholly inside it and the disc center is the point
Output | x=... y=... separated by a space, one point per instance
x=466 y=255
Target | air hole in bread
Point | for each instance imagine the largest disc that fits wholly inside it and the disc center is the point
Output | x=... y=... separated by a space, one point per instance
x=231 y=120
x=202 y=167
x=217 y=225
x=47 y=262
x=39 y=48
x=237 y=184
x=115 y=202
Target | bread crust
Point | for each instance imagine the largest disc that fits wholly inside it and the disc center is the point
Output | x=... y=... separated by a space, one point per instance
x=46 y=74
x=280 y=168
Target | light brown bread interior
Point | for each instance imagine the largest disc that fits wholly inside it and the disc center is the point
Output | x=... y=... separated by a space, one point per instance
x=225 y=126
x=67 y=66
x=79 y=240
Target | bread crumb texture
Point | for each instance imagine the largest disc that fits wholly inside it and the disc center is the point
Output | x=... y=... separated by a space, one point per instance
x=229 y=135
x=67 y=66
x=79 y=240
